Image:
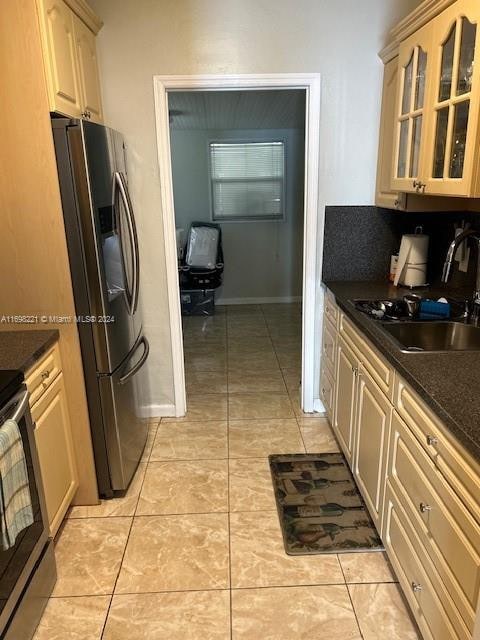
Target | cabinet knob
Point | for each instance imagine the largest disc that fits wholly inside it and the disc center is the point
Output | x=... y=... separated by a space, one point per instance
x=432 y=441
x=45 y=374
x=416 y=587
x=424 y=508
x=86 y=114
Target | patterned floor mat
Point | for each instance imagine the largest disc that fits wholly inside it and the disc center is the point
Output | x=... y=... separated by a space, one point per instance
x=319 y=505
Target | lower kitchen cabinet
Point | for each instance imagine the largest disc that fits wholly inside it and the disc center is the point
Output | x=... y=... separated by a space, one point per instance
x=421 y=487
x=446 y=529
x=374 y=413
x=345 y=396
x=424 y=591
x=327 y=389
x=53 y=438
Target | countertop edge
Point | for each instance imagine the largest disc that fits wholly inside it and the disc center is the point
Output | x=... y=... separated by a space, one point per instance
x=41 y=350
x=20 y=350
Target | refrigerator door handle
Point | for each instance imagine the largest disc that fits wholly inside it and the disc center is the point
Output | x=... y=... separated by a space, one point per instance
x=146 y=349
x=121 y=188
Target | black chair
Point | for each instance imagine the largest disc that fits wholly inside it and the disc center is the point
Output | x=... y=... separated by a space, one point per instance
x=201 y=277
x=198 y=283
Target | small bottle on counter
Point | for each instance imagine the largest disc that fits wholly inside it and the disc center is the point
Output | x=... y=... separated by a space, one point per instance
x=393 y=267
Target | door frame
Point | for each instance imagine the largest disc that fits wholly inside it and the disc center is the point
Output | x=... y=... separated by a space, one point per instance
x=310 y=82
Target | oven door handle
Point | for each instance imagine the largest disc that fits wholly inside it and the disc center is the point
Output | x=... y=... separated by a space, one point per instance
x=20 y=401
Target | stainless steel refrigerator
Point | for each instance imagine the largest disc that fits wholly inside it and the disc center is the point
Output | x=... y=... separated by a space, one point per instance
x=105 y=268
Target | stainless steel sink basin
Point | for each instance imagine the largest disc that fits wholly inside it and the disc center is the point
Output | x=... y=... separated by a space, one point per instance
x=421 y=337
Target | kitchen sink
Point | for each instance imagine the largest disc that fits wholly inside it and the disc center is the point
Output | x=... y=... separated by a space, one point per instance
x=421 y=337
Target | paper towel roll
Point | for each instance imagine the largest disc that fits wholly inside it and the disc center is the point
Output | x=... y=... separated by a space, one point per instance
x=412 y=260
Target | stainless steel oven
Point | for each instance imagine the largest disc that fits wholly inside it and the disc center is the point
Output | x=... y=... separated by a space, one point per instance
x=27 y=570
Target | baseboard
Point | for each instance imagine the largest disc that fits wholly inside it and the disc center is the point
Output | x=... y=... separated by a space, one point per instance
x=281 y=300
x=319 y=407
x=157 y=411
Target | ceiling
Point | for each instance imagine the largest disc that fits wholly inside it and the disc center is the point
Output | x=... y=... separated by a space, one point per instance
x=271 y=109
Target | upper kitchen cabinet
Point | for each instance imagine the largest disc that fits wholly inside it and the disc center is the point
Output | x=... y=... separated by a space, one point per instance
x=68 y=40
x=432 y=132
x=452 y=141
x=414 y=69
x=385 y=195
x=88 y=71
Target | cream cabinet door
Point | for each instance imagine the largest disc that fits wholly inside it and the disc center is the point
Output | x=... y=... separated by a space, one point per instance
x=327 y=393
x=55 y=451
x=385 y=196
x=88 y=71
x=56 y=20
x=344 y=412
x=374 y=414
x=415 y=65
x=455 y=101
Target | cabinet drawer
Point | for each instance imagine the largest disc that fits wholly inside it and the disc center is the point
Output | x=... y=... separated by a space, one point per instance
x=450 y=458
x=331 y=311
x=327 y=391
x=431 y=605
x=43 y=373
x=450 y=535
x=55 y=452
x=329 y=346
x=374 y=363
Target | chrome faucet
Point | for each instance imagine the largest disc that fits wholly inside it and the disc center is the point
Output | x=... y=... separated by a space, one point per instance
x=447 y=267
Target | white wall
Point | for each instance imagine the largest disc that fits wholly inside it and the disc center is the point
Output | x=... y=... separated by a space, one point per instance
x=262 y=259
x=142 y=38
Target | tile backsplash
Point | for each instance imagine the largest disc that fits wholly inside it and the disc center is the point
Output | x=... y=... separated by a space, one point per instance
x=359 y=241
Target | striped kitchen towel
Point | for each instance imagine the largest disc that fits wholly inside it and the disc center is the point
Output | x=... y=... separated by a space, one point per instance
x=15 y=501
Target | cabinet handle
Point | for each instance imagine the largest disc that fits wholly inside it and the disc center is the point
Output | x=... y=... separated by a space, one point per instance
x=416 y=587
x=424 y=508
x=432 y=441
x=419 y=186
x=45 y=375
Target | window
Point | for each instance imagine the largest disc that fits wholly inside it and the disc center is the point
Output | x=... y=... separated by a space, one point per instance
x=247 y=180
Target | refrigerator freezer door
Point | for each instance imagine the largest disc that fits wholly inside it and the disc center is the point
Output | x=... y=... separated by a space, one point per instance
x=123 y=396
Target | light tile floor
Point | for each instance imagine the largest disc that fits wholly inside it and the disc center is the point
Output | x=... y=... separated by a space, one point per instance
x=194 y=549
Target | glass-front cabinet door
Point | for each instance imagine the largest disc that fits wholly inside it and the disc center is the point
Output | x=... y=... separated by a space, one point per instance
x=453 y=128
x=410 y=125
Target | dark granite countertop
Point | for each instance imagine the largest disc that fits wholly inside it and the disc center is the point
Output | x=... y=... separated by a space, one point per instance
x=449 y=383
x=20 y=349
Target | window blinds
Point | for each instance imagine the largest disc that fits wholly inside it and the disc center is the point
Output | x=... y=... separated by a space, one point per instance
x=247 y=180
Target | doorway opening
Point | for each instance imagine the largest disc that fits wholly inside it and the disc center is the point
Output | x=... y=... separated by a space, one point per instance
x=239 y=169
x=238 y=178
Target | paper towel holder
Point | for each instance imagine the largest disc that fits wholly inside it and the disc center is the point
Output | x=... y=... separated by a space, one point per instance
x=412 y=261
